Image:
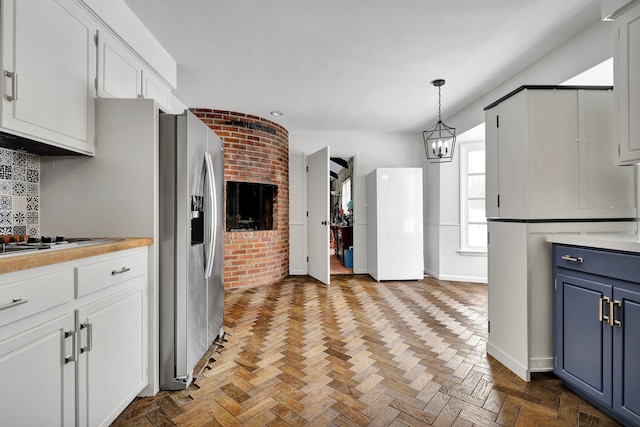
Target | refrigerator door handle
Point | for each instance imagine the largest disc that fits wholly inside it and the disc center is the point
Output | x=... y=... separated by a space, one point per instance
x=214 y=215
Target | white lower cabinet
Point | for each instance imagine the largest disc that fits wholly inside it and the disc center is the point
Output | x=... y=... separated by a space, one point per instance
x=39 y=384
x=73 y=340
x=112 y=360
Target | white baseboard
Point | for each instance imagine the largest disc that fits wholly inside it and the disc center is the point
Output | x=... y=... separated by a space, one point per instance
x=513 y=365
x=454 y=278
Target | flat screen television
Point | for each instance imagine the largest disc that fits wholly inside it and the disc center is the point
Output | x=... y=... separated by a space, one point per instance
x=250 y=206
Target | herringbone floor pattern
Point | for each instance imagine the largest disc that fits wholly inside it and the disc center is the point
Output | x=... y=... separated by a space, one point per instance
x=360 y=353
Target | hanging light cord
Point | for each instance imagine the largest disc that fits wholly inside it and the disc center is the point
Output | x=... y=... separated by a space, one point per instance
x=439 y=105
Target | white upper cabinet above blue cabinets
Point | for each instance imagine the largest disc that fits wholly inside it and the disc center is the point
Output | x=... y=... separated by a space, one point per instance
x=549 y=156
x=49 y=67
x=627 y=86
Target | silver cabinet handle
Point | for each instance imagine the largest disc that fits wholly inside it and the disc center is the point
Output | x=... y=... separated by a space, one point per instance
x=613 y=321
x=579 y=260
x=72 y=357
x=14 y=85
x=122 y=270
x=601 y=316
x=14 y=303
x=89 y=328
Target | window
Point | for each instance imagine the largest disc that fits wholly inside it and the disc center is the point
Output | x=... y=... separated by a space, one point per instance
x=346 y=195
x=473 y=221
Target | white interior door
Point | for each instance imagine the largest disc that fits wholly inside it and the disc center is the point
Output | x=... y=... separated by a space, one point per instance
x=318 y=205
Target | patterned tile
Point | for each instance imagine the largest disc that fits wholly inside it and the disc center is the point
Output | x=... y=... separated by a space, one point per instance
x=19 y=173
x=32 y=175
x=19 y=188
x=5 y=218
x=19 y=192
x=6 y=188
x=32 y=217
x=32 y=203
x=33 y=189
x=19 y=203
x=6 y=156
x=19 y=159
x=33 y=162
x=19 y=218
x=19 y=229
x=5 y=203
x=5 y=172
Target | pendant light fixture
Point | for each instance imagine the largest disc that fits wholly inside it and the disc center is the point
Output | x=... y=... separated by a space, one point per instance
x=440 y=140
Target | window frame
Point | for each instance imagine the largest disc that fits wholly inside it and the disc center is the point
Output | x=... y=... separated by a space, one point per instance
x=343 y=200
x=465 y=149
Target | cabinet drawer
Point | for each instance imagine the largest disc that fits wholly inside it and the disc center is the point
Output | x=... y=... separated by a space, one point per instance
x=95 y=277
x=23 y=298
x=616 y=265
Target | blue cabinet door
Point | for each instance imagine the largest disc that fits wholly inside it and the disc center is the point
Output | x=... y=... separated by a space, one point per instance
x=626 y=350
x=582 y=338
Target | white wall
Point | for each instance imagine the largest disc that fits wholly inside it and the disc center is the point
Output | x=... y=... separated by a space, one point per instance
x=371 y=150
x=444 y=259
x=588 y=48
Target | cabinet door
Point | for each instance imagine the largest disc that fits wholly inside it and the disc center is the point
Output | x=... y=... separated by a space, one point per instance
x=491 y=163
x=119 y=72
x=626 y=348
x=48 y=58
x=553 y=153
x=112 y=362
x=39 y=387
x=513 y=157
x=152 y=87
x=582 y=340
x=627 y=85
x=605 y=189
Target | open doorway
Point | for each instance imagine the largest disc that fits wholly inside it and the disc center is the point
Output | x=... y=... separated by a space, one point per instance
x=341 y=215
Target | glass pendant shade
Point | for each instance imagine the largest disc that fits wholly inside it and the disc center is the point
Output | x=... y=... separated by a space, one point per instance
x=439 y=140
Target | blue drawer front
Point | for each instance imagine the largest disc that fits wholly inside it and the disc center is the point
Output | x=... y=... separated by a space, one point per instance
x=617 y=265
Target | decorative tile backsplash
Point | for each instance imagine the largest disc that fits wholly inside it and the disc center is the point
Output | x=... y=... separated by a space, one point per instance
x=19 y=193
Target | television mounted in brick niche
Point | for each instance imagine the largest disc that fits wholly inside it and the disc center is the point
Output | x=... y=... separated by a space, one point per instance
x=250 y=206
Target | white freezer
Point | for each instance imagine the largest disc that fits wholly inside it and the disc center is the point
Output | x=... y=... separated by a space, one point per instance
x=394 y=222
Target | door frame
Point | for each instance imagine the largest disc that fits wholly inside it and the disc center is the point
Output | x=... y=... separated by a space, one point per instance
x=355 y=184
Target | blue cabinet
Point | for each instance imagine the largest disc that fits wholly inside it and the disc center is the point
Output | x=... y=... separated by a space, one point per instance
x=596 y=321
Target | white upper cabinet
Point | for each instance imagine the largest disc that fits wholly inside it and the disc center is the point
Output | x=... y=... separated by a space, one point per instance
x=58 y=56
x=549 y=157
x=122 y=74
x=119 y=71
x=627 y=86
x=48 y=63
x=154 y=88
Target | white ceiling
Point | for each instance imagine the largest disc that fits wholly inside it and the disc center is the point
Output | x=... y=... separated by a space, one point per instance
x=354 y=65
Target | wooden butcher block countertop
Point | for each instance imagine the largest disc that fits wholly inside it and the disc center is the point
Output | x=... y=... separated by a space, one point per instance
x=39 y=258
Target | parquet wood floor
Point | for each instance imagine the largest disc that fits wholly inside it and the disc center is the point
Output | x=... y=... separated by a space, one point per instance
x=360 y=353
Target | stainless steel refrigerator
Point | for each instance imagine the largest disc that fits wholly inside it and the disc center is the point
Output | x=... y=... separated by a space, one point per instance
x=191 y=166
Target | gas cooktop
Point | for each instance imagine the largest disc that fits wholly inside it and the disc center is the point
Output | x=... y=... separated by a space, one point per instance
x=45 y=242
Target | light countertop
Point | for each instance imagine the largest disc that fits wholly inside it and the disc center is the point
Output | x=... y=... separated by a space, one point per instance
x=627 y=242
x=17 y=262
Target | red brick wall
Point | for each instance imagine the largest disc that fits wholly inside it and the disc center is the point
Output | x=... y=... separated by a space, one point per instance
x=255 y=150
